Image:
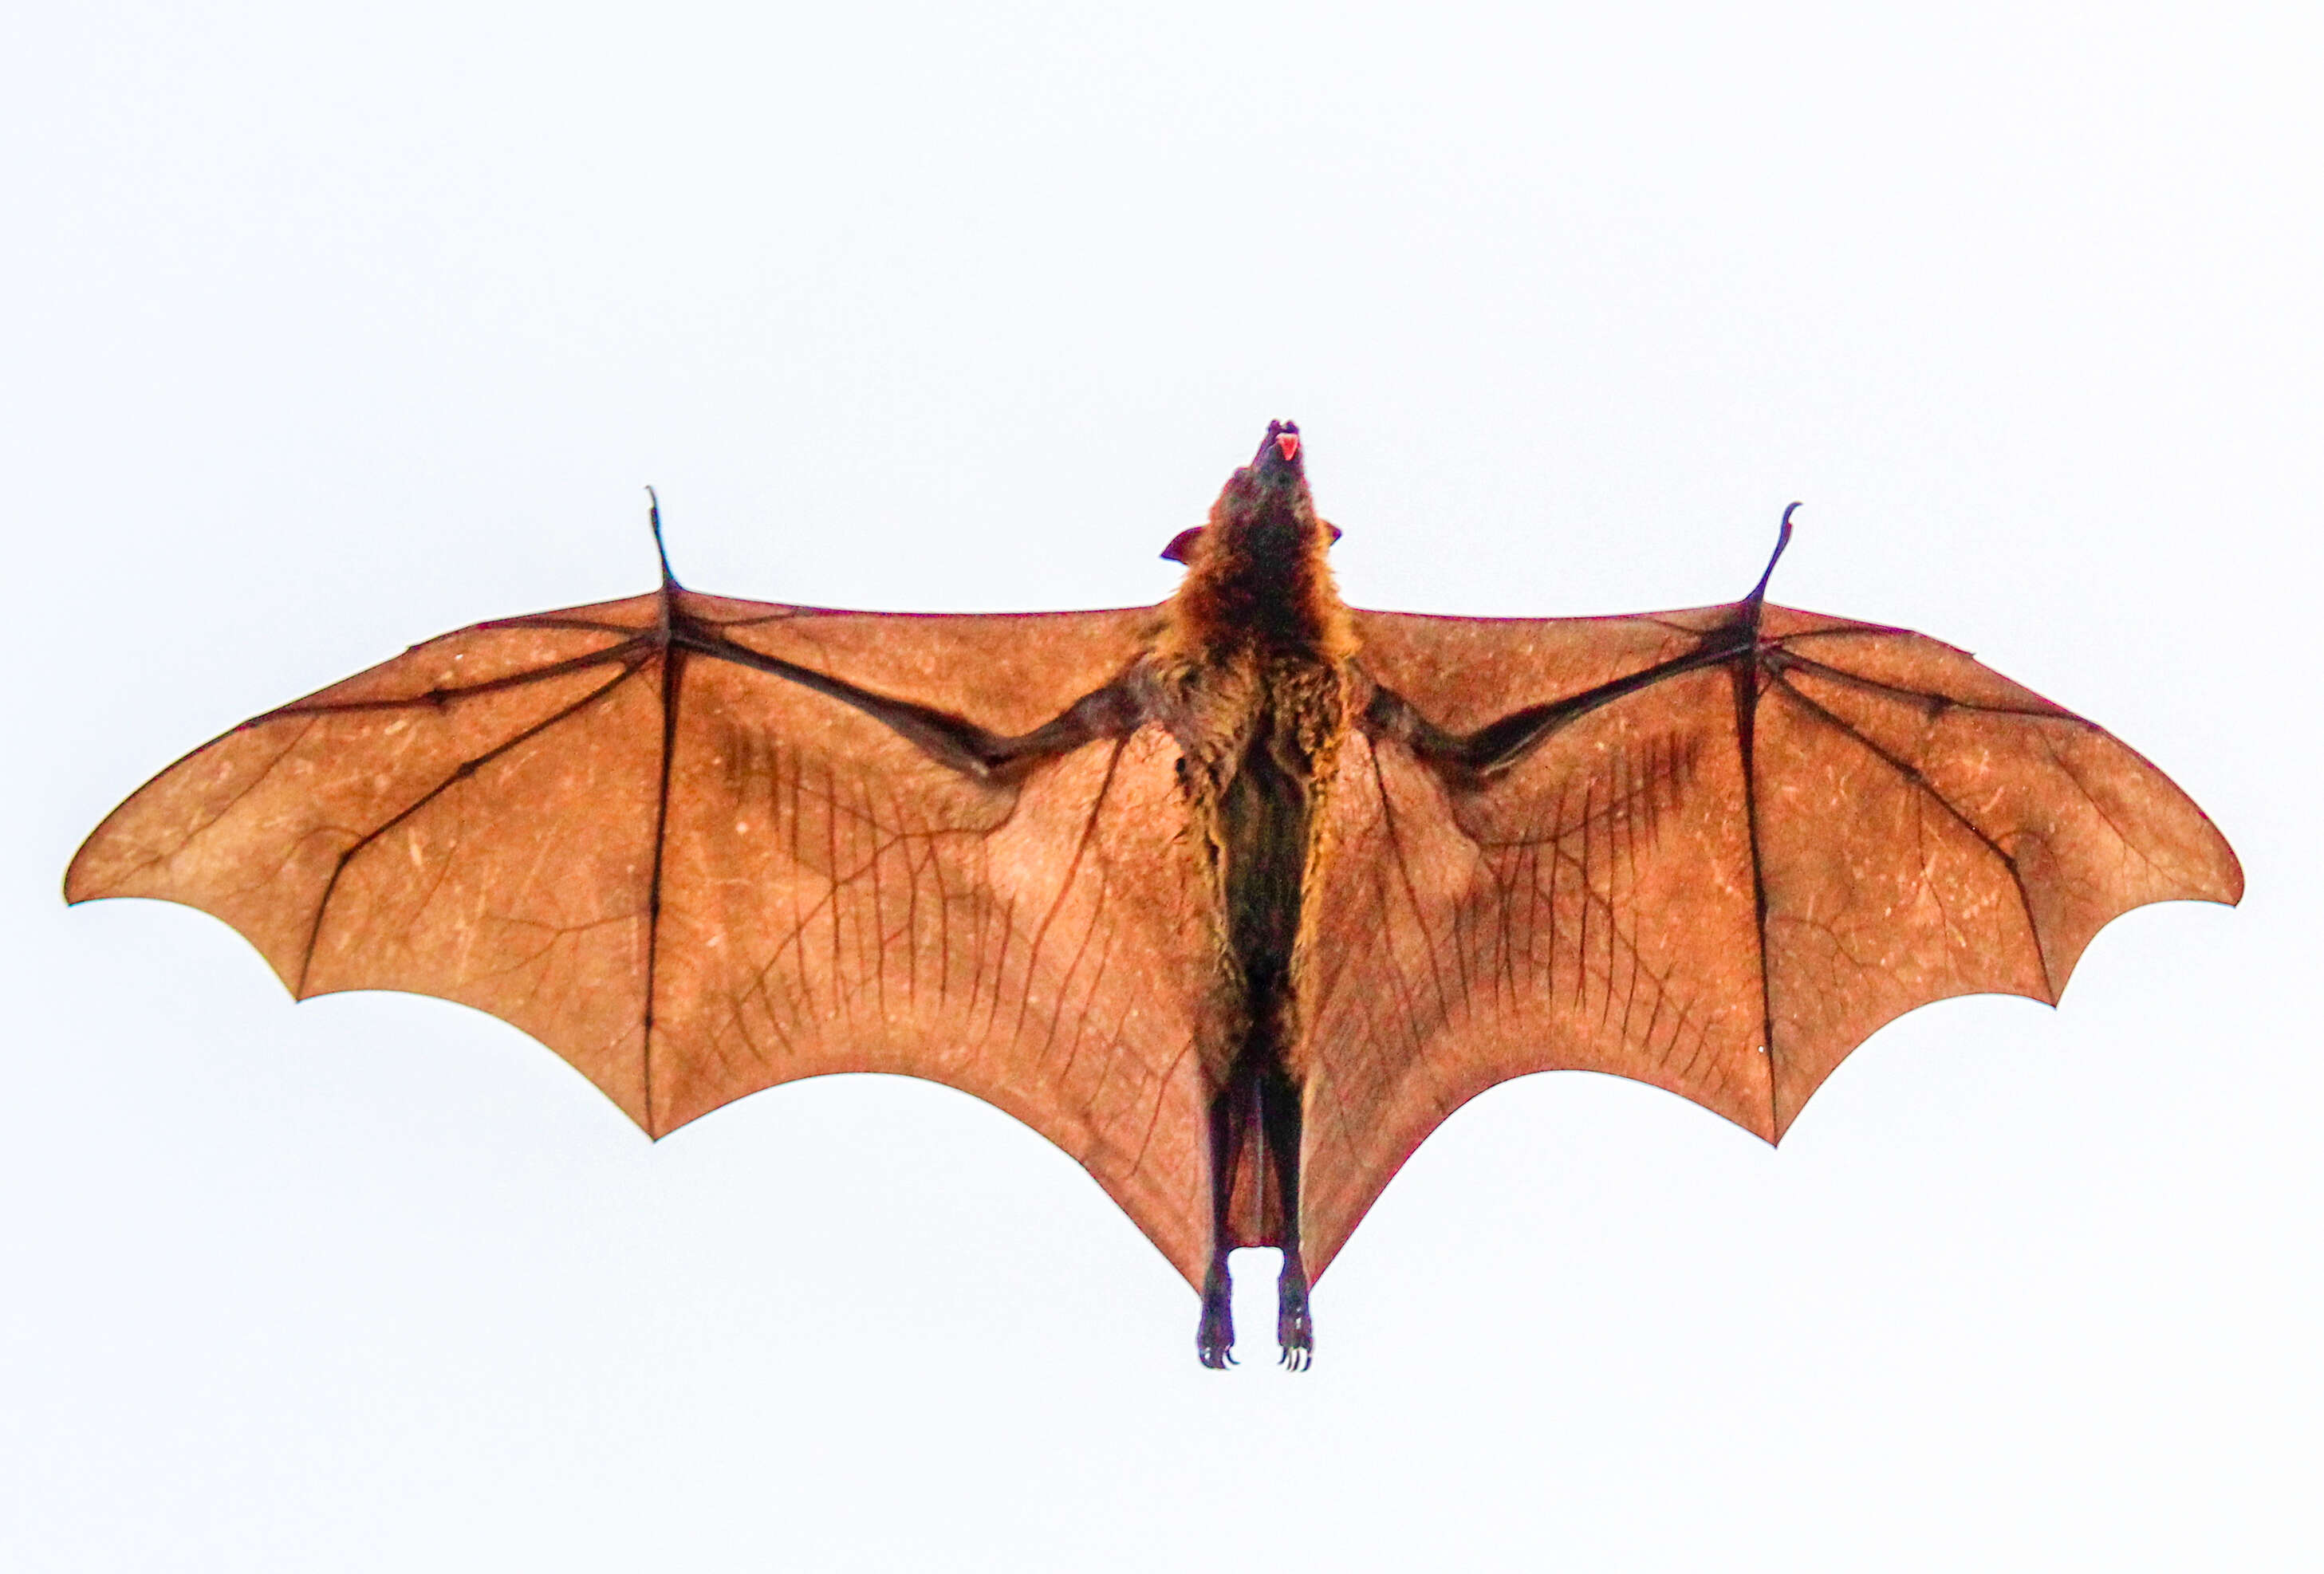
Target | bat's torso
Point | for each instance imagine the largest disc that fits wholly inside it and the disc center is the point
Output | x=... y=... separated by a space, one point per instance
x=1252 y=679
x=1258 y=734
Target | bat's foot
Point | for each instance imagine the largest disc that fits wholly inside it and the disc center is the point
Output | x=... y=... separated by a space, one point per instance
x=1214 y=1336
x=1295 y=1325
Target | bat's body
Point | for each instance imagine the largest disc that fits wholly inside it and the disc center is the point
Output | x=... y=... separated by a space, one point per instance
x=1234 y=900
x=1252 y=679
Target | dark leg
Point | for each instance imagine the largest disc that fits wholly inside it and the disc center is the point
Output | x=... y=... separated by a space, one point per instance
x=1215 y=1335
x=1295 y=1327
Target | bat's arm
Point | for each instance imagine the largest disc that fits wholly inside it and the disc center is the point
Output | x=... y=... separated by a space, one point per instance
x=1479 y=756
x=1496 y=746
x=1111 y=712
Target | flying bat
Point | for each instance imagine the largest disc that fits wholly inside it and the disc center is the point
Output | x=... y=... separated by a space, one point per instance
x=1234 y=898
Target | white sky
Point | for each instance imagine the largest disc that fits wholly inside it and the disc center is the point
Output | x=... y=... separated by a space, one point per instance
x=330 y=328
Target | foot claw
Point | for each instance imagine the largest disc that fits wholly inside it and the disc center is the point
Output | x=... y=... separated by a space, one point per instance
x=1215 y=1335
x=1295 y=1325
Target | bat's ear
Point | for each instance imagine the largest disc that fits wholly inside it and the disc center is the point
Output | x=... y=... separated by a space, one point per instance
x=1336 y=531
x=1182 y=546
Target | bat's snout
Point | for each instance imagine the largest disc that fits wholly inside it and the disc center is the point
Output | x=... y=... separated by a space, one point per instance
x=1280 y=454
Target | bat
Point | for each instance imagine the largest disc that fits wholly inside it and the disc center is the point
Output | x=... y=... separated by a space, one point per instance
x=1234 y=898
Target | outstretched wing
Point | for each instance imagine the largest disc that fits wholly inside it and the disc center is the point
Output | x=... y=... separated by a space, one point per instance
x=695 y=876
x=1719 y=873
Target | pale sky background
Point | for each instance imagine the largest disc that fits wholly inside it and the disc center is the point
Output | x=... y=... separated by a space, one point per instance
x=328 y=329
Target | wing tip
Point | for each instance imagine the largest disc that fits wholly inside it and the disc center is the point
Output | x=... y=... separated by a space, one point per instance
x=2231 y=881
x=82 y=883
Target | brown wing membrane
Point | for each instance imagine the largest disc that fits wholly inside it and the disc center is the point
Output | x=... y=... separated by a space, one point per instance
x=1720 y=881
x=694 y=878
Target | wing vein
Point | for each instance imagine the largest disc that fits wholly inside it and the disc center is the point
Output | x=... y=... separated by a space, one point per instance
x=466 y=769
x=673 y=678
x=1912 y=774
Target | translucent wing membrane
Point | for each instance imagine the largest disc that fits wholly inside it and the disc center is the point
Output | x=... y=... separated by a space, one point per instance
x=693 y=879
x=1719 y=883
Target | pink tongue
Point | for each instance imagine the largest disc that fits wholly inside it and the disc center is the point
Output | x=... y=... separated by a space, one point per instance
x=1288 y=442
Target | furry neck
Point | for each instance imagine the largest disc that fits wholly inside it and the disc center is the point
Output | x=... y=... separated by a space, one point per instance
x=1259 y=582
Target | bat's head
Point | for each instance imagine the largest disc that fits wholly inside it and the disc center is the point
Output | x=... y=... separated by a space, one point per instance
x=1257 y=570
x=1275 y=481
x=1265 y=505
x=1266 y=500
